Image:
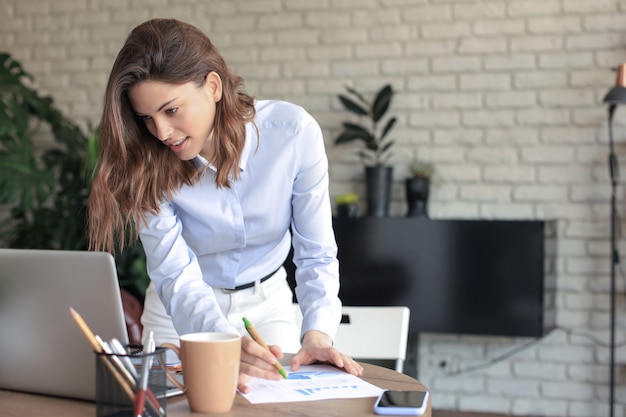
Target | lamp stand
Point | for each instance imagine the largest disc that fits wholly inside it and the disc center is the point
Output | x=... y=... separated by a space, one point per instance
x=614 y=173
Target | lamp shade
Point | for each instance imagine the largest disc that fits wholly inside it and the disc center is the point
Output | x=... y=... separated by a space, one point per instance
x=617 y=94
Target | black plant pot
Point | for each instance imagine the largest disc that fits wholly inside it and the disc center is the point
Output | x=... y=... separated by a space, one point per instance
x=417 y=190
x=378 y=182
x=348 y=210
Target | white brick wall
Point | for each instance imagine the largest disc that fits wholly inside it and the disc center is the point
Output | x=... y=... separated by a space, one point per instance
x=504 y=96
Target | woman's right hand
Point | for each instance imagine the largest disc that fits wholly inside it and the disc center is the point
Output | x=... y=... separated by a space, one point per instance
x=256 y=361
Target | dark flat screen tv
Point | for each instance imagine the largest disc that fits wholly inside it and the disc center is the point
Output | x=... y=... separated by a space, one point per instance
x=482 y=277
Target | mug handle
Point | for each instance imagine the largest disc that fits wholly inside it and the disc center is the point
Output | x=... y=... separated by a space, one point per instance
x=168 y=374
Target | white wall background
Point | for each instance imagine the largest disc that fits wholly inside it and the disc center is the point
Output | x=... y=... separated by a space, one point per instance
x=504 y=96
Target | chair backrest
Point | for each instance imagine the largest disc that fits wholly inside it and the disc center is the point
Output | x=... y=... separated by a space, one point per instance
x=374 y=333
x=377 y=332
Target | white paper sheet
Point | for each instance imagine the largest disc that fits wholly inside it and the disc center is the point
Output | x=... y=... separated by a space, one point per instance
x=310 y=383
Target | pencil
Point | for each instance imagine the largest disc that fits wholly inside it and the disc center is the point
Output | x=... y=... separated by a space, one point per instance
x=119 y=377
x=257 y=338
x=98 y=348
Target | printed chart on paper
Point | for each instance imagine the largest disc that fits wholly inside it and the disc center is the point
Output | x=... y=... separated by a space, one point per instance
x=310 y=383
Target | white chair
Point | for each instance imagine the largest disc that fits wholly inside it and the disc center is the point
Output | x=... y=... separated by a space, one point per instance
x=373 y=333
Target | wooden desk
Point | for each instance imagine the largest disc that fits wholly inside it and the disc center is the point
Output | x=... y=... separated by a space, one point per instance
x=17 y=404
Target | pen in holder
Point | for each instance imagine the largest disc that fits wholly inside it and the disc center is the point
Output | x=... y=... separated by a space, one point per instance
x=117 y=382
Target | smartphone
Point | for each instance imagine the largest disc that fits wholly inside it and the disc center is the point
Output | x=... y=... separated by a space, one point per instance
x=401 y=403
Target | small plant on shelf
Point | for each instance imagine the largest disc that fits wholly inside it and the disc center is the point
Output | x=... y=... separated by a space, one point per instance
x=421 y=169
x=347 y=205
x=417 y=187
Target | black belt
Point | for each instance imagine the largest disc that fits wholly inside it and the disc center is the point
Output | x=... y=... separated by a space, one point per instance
x=251 y=284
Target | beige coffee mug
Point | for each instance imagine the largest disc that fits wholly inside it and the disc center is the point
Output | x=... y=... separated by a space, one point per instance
x=210 y=363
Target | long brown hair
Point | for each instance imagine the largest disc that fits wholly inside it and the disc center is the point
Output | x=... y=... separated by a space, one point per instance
x=135 y=171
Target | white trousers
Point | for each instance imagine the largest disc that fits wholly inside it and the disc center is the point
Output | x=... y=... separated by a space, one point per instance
x=267 y=305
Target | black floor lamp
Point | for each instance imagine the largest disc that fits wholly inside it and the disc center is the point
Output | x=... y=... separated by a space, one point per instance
x=615 y=97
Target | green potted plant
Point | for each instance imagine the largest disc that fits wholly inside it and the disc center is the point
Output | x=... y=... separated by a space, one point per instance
x=417 y=187
x=46 y=192
x=28 y=181
x=377 y=144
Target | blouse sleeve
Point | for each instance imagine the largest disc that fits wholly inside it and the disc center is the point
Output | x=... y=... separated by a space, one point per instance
x=174 y=269
x=315 y=249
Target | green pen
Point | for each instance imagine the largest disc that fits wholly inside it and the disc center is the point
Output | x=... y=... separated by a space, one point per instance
x=257 y=338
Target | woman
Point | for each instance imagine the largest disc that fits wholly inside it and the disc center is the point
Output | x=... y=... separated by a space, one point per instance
x=216 y=183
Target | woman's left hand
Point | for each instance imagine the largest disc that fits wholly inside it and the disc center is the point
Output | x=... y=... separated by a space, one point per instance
x=317 y=347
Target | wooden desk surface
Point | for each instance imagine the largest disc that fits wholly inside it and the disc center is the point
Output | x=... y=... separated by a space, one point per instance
x=17 y=404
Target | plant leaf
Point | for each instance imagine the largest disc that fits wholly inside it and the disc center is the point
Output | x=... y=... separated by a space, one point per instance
x=381 y=102
x=351 y=135
x=354 y=126
x=384 y=158
x=387 y=146
x=367 y=156
x=357 y=95
x=388 y=127
x=352 y=106
x=7 y=127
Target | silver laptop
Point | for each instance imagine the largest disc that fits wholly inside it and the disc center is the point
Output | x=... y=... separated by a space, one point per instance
x=42 y=350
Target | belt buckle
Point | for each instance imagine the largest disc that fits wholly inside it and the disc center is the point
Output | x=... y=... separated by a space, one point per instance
x=228 y=291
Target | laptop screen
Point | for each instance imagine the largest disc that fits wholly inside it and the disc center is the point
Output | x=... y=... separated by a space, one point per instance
x=42 y=350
